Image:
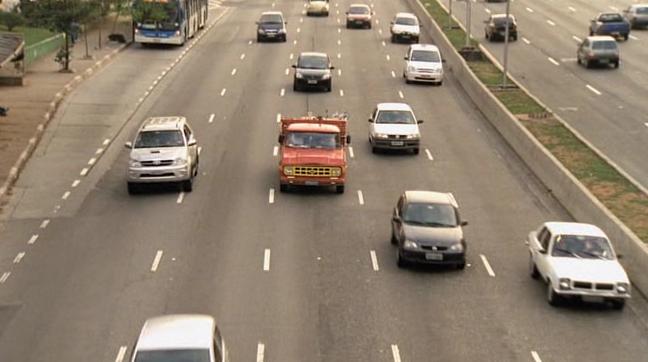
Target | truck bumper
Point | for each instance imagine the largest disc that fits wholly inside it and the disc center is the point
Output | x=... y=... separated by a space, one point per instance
x=311 y=181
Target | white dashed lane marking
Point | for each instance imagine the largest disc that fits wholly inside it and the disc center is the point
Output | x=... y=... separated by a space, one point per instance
x=180 y=198
x=266 y=260
x=395 y=353
x=374 y=260
x=551 y=23
x=283 y=92
x=278 y=117
x=489 y=270
x=360 y=197
x=400 y=94
x=223 y=92
x=4 y=277
x=593 y=90
x=529 y=10
x=260 y=352
x=44 y=224
x=393 y=74
x=84 y=171
x=275 y=151
x=32 y=239
x=211 y=118
x=156 y=260
x=341 y=93
x=351 y=152
x=271 y=196
x=535 y=356
x=234 y=71
x=579 y=40
x=287 y=71
x=242 y=56
x=572 y=9
x=121 y=354
x=65 y=195
x=429 y=155
x=552 y=60
x=19 y=257
x=387 y=57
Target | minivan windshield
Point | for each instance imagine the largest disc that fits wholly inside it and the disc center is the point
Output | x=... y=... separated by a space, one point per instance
x=312 y=140
x=358 y=10
x=173 y=355
x=436 y=215
x=425 y=56
x=399 y=117
x=155 y=139
x=405 y=21
x=312 y=62
x=271 y=19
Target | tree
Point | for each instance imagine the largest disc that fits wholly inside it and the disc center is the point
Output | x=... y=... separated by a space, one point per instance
x=154 y=12
x=11 y=19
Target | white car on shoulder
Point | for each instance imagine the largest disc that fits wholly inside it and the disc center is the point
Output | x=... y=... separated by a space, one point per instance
x=577 y=260
x=394 y=126
x=423 y=63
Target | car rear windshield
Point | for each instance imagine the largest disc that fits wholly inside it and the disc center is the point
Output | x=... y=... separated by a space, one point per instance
x=582 y=246
x=425 y=56
x=502 y=21
x=405 y=21
x=358 y=10
x=271 y=19
x=610 y=18
x=436 y=215
x=185 y=355
x=643 y=10
x=604 y=45
x=399 y=117
x=312 y=62
x=154 y=139
x=312 y=140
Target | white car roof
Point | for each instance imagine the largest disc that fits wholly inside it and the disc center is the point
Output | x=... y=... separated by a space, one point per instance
x=635 y=6
x=502 y=16
x=429 y=47
x=431 y=196
x=162 y=123
x=574 y=228
x=272 y=13
x=313 y=54
x=394 y=107
x=600 y=38
x=359 y=6
x=177 y=331
x=405 y=15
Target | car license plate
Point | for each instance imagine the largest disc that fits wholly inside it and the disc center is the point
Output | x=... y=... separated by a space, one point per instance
x=156 y=40
x=358 y=22
x=310 y=81
x=605 y=61
x=592 y=299
x=433 y=256
x=270 y=35
x=397 y=143
x=311 y=183
x=405 y=36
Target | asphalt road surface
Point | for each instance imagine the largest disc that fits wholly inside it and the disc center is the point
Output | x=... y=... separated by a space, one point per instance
x=291 y=271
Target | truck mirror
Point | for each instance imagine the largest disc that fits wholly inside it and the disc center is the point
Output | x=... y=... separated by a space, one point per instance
x=281 y=138
x=419 y=121
x=406 y=57
x=464 y=223
x=331 y=67
x=370 y=120
x=294 y=65
x=348 y=139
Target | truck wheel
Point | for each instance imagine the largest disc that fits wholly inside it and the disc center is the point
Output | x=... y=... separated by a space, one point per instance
x=339 y=189
x=553 y=298
x=133 y=188
x=616 y=64
x=393 y=238
x=187 y=185
x=400 y=262
x=461 y=266
x=283 y=187
x=618 y=304
x=626 y=36
x=533 y=270
x=416 y=151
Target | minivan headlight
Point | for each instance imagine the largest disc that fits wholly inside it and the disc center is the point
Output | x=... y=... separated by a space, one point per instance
x=134 y=163
x=623 y=288
x=179 y=161
x=381 y=135
x=409 y=244
x=326 y=76
x=412 y=136
x=563 y=283
x=456 y=247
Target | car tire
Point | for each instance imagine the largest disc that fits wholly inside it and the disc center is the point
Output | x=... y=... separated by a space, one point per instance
x=514 y=37
x=533 y=270
x=588 y=64
x=283 y=187
x=369 y=25
x=407 y=81
x=348 y=25
x=626 y=36
x=400 y=262
x=187 y=185
x=393 y=240
x=259 y=39
x=415 y=40
x=461 y=266
x=616 y=64
x=618 y=304
x=578 y=60
x=329 y=87
x=416 y=151
x=133 y=188
x=326 y=14
x=552 y=298
x=374 y=149
x=339 y=189
x=284 y=39
x=296 y=87
x=439 y=83
x=393 y=38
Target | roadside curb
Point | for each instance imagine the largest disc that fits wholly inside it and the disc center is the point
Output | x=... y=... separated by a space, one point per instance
x=558 y=180
x=18 y=166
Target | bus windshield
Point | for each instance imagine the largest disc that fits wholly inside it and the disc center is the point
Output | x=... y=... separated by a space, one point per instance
x=157 y=14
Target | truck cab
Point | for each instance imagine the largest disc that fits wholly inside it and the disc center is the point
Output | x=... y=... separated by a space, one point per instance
x=313 y=152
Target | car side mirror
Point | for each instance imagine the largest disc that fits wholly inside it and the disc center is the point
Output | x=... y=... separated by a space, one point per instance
x=348 y=139
x=281 y=138
x=192 y=142
x=464 y=223
x=331 y=67
x=542 y=250
x=285 y=23
x=619 y=256
x=128 y=145
x=443 y=60
x=406 y=58
x=419 y=121
x=294 y=65
x=370 y=120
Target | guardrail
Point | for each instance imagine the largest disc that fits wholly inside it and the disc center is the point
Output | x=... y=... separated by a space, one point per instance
x=567 y=189
x=42 y=48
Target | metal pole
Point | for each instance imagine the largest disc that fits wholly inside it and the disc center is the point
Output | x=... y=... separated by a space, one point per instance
x=468 y=21
x=450 y=15
x=506 y=43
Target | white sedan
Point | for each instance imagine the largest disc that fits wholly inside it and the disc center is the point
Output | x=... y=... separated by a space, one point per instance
x=577 y=260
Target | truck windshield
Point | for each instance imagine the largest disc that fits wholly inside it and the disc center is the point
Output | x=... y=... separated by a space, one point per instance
x=155 y=139
x=610 y=18
x=312 y=140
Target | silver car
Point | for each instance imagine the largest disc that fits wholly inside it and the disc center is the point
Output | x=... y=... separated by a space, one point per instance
x=598 y=50
x=164 y=150
x=637 y=15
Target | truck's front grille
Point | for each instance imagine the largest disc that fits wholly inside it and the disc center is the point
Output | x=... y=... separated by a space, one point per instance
x=313 y=171
x=157 y=163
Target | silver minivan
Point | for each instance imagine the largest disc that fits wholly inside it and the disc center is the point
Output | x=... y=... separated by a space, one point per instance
x=180 y=337
x=164 y=150
x=598 y=50
x=637 y=15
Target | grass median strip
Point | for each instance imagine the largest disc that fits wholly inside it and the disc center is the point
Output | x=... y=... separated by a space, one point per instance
x=617 y=193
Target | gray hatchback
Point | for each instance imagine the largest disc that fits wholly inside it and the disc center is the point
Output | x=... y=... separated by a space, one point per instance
x=598 y=50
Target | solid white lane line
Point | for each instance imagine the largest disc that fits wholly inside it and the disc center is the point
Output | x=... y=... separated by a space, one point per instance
x=271 y=198
x=99 y=151
x=351 y=152
x=577 y=38
x=400 y=94
x=233 y=71
x=283 y=92
x=75 y=183
x=65 y=195
x=32 y=239
x=572 y=9
x=275 y=151
x=260 y=352
x=242 y=56
x=387 y=57
x=529 y=10
x=393 y=74
x=223 y=92
x=287 y=71
x=84 y=171
x=535 y=356
x=121 y=354
x=266 y=260
x=156 y=260
x=633 y=37
x=278 y=117
x=4 y=277
x=44 y=224
x=552 y=60
x=106 y=141
x=180 y=197
x=211 y=118
x=594 y=90
x=395 y=353
x=429 y=155
x=341 y=93
x=551 y=22
x=374 y=260
x=487 y=265
x=19 y=257
x=360 y=197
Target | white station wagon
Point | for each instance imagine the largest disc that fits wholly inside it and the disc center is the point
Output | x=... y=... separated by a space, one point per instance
x=577 y=260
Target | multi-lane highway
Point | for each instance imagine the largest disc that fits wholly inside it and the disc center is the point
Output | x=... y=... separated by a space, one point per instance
x=607 y=106
x=311 y=276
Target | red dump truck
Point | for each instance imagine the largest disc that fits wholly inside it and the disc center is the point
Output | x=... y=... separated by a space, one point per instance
x=313 y=152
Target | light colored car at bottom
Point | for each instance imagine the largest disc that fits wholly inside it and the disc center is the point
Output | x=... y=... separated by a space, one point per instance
x=164 y=150
x=423 y=63
x=394 y=126
x=180 y=337
x=577 y=260
x=598 y=50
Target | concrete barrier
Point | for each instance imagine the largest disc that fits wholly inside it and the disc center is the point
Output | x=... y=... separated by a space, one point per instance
x=567 y=189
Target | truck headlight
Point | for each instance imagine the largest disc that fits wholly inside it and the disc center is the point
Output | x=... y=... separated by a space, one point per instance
x=299 y=75
x=409 y=244
x=288 y=170
x=563 y=283
x=412 y=136
x=623 y=288
x=336 y=171
x=381 y=135
x=180 y=161
x=326 y=76
x=134 y=163
x=456 y=247
x=411 y=68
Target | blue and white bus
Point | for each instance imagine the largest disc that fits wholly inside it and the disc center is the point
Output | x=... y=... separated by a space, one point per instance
x=167 y=21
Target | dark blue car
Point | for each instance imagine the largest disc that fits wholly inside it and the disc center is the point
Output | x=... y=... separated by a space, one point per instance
x=612 y=24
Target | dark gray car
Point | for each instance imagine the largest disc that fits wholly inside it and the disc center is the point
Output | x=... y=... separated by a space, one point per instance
x=426 y=227
x=313 y=70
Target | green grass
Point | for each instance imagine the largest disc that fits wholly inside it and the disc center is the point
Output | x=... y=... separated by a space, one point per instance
x=32 y=35
x=617 y=193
